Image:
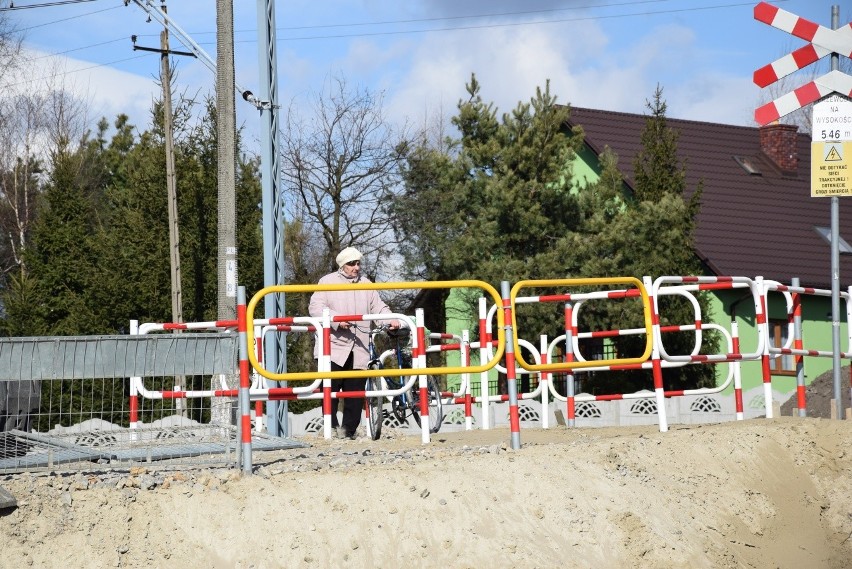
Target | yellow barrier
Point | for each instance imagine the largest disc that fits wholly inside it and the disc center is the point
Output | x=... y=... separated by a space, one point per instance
x=559 y=366
x=295 y=376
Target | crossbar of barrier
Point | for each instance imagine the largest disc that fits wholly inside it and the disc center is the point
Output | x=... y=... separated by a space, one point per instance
x=571 y=340
x=718 y=283
x=638 y=286
x=296 y=376
x=792 y=295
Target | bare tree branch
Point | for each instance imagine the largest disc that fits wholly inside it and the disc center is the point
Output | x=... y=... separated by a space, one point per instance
x=340 y=166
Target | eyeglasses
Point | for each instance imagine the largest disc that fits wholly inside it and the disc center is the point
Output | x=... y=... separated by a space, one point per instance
x=353 y=263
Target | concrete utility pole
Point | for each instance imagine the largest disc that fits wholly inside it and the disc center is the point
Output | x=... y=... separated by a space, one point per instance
x=171 y=184
x=226 y=121
x=226 y=183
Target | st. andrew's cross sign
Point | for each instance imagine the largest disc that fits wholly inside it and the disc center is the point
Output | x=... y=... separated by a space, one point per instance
x=829 y=164
x=823 y=41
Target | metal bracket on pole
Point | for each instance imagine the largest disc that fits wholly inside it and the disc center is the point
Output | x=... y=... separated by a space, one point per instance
x=154 y=11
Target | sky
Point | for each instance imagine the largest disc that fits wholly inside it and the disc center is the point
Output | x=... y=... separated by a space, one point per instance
x=419 y=54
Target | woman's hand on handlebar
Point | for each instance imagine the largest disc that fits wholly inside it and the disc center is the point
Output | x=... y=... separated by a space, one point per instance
x=392 y=325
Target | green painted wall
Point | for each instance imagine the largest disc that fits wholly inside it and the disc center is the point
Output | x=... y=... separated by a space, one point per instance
x=457 y=321
x=585 y=170
x=816 y=335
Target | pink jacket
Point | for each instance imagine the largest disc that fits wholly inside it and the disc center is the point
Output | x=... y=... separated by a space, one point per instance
x=354 y=339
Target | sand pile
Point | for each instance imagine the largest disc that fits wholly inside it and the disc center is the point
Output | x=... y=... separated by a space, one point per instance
x=818 y=395
x=761 y=493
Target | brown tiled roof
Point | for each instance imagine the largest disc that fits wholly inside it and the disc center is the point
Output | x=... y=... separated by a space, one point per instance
x=749 y=224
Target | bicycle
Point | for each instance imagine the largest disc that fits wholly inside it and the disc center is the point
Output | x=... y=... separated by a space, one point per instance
x=406 y=403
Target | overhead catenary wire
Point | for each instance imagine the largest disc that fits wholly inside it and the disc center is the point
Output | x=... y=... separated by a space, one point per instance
x=510 y=24
x=41 y=5
x=50 y=23
x=418 y=20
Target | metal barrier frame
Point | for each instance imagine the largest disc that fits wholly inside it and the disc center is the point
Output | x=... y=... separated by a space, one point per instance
x=646 y=308
x=302 y=376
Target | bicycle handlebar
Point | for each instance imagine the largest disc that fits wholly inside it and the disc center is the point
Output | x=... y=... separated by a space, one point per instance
x=390 y=331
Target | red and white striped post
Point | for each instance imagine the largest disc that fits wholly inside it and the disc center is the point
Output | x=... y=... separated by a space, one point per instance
x=324 y=364
x=763 y=328
x=570 y=332
x=511 y=380
x=245 y=382
x=418 y=358
x=465 y=359
x=655 y=356
x=545 y=377
x=738 y=379
x=134 y=391
x=484 y=345
x=801 y=401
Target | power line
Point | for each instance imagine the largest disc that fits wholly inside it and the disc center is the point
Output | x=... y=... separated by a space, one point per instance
x=482 y=26
x=42 y=5
x=53 y=75
x=419 y=20
x=488 y=15
x=78 y=48
x=66 y=19
x=515 y=24
x=471 y=16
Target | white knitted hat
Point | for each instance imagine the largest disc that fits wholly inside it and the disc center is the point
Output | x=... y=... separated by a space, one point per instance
x=347 y=255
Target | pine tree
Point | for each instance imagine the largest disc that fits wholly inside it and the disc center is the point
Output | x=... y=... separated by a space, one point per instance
x=136 y=245
x=652 y=233
x=61 y=259
x=497 y=204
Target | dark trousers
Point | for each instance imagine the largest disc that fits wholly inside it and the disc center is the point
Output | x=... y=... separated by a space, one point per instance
x=352 y=406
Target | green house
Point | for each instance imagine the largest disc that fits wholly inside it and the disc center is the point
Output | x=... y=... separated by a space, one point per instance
x=757 y=218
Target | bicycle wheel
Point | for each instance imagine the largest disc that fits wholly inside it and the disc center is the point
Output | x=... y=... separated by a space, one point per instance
x=374 y=409
x=436 y=406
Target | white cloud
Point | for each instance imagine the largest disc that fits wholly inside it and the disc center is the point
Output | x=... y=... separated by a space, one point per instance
x=714 y=97
x=106 y=91
x=583 y=67
x=509 y=62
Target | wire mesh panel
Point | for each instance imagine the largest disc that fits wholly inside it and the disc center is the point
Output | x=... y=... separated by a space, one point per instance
x=66 y=402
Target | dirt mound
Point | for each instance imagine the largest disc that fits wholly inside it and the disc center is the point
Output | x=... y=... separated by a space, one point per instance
x=818 y=395
x=736 y=495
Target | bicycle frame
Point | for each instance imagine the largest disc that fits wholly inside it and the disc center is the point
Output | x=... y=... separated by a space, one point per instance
x=400 y=351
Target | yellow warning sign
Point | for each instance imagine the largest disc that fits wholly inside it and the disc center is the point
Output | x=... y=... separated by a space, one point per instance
x=831 y=169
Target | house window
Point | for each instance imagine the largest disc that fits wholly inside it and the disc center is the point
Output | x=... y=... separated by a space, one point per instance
x=596 y=349
x=780 y=365
x=748 y=165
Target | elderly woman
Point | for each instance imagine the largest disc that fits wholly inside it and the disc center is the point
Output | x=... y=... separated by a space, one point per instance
x=348 y=340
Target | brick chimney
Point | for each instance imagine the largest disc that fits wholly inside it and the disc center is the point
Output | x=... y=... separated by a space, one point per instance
x=778 y=141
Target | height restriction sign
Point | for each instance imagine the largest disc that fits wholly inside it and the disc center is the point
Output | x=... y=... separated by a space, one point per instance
x=831 y=148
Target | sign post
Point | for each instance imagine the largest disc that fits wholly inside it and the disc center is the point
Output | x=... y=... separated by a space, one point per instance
x=831 y=146
x=831 y=176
